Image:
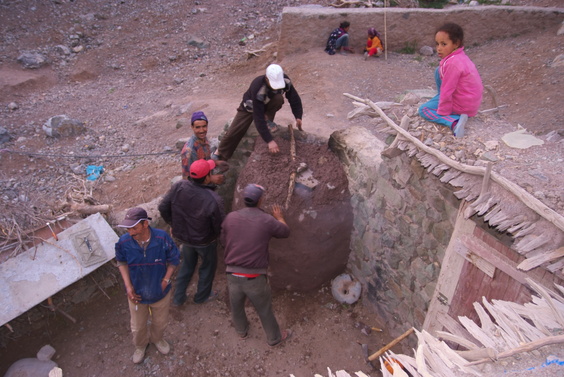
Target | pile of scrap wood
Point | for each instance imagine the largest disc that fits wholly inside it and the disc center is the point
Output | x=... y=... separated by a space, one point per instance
x=507 y=329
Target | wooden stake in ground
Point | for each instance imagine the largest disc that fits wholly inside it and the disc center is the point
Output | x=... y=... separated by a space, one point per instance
x=382 y=350
x=293 y=175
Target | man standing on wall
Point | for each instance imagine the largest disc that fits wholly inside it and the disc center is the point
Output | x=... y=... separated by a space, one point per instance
x=245 y=235
x=195 y=212
x=146 y=259
x=261 y=101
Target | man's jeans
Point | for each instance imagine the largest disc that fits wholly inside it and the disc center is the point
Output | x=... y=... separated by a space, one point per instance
x=206 y=273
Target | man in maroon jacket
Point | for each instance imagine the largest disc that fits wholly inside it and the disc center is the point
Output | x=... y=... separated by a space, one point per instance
x=245 y=235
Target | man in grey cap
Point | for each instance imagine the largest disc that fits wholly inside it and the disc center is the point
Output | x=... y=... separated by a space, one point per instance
x=146 y=259
x=245 y=235
x=261 y=101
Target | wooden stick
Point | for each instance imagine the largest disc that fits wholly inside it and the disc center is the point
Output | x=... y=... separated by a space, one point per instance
x=524 y=348
x=381 y=351
x=527 y=199
x=292 y=182
x=85 y=209
x=53 y=308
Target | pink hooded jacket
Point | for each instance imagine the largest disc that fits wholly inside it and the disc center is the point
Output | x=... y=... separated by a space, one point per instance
x=461 y=88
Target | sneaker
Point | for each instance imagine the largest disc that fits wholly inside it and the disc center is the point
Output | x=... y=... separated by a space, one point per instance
x=139 y=354
x=458 y=129
x=163 y=346
x=217 y=157
x=244 y=335
x=286 y=334
x=365 y=55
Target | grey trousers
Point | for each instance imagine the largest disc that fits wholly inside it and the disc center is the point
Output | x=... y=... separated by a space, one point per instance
x=259 y=293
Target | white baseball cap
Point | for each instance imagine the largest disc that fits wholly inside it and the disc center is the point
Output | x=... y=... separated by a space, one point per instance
x=275 y=76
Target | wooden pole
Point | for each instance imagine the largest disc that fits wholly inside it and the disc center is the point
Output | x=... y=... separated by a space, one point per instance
x=385 y=30
x=382 y=350
x=292 y=181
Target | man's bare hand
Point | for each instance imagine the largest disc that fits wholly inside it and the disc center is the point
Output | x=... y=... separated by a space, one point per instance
x=277 y=212
x=273 y=147
x=217 y=179
x=299 y=124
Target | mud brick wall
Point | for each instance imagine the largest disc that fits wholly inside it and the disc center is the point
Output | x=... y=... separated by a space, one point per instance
x=307 y=28
x=403 y=221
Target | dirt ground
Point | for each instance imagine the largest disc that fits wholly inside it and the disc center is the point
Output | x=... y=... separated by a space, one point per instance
x=138 y=73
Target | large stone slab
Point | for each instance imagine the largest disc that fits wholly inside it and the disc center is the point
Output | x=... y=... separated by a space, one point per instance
x=40 y=272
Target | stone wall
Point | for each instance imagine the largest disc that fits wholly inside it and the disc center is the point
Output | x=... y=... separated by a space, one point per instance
x=403 y=220
x=306 y=28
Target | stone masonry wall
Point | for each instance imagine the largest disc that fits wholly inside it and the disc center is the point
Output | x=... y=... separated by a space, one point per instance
x=403 y=220
x=306 y=28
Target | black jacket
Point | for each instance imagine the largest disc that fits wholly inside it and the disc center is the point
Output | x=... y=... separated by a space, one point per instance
x=259 y=93
x=195 y=212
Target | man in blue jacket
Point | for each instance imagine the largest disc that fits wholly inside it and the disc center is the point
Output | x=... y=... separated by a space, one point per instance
x=146 y=259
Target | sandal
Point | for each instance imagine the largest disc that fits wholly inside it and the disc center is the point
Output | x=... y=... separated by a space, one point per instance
x=286 y=334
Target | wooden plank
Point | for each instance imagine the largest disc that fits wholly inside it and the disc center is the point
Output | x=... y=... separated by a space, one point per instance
x=454 y=327
x=503 y=328
x=500 y=262
x=529 y=332
x=477 y=332
x=486 y=267
x=457 y=339
x=545 y=294
x=530 y=263
x=448 y=278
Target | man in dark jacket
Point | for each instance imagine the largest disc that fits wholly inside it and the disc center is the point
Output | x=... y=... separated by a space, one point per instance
x=245 y=235
x=260 y=103
x=195 y=212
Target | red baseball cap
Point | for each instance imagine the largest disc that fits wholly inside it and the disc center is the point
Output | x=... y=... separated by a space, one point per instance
x=201 y=168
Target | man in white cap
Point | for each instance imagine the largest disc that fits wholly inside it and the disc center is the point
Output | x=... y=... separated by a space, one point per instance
x=146 y=258
x=261 y=101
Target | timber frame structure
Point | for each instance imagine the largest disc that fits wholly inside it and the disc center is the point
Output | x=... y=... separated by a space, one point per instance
x=536 y=229
x=532 y=315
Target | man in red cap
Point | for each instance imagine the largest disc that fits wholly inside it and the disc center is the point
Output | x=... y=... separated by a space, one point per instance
x=261 y=101
x=146 y=259
x=195 y=211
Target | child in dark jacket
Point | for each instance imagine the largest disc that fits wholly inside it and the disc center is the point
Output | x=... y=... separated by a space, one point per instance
x=339 y=40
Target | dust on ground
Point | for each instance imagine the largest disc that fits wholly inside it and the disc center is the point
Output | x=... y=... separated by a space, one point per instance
x=136 y=63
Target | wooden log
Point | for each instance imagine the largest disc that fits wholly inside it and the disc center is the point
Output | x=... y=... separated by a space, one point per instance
x=292 y=181
x=478 y=354
x=85 y=209
x=53 y=308
x=381 y=351
x=524 y=348
x=527 y=199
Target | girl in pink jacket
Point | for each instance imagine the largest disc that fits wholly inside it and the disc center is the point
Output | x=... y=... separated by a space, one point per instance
x=458 y=83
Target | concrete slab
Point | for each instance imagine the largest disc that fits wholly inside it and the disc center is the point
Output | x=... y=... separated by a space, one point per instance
x=39 y=273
